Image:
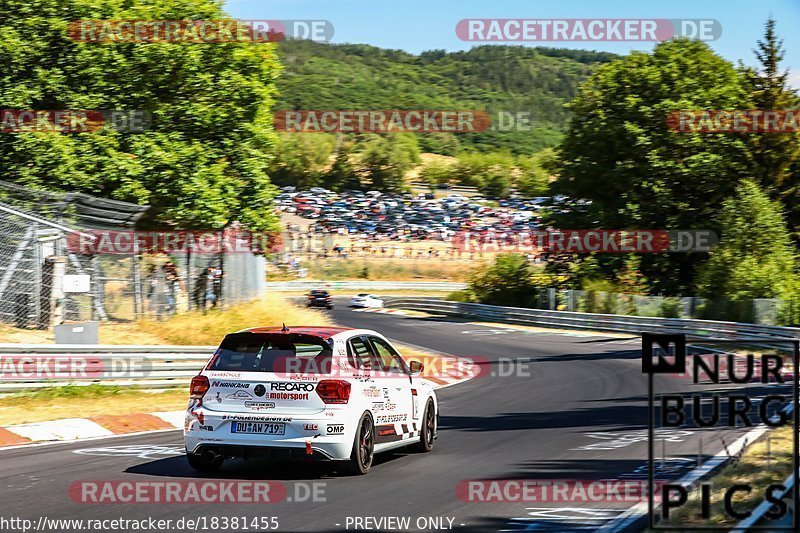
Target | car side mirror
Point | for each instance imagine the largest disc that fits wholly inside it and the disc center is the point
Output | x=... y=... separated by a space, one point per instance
x=415 y=367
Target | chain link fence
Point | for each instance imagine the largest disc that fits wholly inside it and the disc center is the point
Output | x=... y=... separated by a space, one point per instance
x=47 y=277
x=770 y=311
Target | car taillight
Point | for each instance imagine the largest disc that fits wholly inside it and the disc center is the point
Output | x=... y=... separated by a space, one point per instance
x=198 y=387
x=333 y=390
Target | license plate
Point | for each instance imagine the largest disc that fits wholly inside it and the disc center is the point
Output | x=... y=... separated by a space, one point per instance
x=259 y=428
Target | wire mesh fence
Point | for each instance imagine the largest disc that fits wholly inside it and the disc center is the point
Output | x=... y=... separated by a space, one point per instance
x=48 y=275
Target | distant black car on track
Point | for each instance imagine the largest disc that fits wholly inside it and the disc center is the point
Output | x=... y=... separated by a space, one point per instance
x=319 y=298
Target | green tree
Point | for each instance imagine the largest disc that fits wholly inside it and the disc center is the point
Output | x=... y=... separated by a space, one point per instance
x=507 y=281
x=533 y=173
x=203 y=164
x=632 y=171
x=490 y=172
x=342 y=175
x=773 y=154
x=301 y=159
x=437 y=173
x=387 y=158
x=755 y=257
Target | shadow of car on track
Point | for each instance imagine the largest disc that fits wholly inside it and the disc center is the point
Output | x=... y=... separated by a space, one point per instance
x=255 y=469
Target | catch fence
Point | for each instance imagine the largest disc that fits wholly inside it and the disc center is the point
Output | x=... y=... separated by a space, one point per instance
x=48 y=277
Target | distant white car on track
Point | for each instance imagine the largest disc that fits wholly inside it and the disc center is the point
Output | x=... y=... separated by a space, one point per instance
x=366 y=300
x=325 y=393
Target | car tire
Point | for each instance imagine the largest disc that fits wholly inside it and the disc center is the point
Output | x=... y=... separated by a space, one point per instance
x=428 y=432
x=202 y=464
x=363 y=447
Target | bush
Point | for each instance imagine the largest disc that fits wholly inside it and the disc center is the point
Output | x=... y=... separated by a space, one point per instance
x=459 y=296
x=671 y=308
x=508 y=281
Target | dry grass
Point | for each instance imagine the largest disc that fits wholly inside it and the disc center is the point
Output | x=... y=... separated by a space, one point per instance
x=93 y=400
x=385 y=269
x=196 y=328
x=753 y=470
x=192 y=328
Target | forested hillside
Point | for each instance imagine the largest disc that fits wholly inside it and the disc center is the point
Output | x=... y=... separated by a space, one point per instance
x=491 y=78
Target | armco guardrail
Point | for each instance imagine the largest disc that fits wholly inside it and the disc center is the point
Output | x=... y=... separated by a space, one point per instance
x=594 y=321
x=307 y=285
x=34 y=366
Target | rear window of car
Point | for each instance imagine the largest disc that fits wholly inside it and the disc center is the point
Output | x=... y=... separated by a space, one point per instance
x=284 y=353
x=319 y=293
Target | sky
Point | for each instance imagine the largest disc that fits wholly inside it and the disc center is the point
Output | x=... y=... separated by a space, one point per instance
x=418 y=25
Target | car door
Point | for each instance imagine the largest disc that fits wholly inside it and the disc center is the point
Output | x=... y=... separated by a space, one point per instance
x=397 y=387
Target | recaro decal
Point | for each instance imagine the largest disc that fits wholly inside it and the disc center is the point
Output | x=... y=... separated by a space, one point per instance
x=292 y=387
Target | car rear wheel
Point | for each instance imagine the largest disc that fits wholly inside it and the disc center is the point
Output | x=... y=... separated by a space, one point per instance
x=428 y=432
x=363 y=447
x=207 y=461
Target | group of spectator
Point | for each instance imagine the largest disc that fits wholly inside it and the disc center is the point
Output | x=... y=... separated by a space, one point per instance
x=166 y=285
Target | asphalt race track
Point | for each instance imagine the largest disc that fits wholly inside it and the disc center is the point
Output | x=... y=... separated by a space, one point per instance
x=582 y=392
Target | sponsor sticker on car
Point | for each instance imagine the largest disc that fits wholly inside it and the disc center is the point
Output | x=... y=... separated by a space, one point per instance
x=335 y=429
x=259 y=406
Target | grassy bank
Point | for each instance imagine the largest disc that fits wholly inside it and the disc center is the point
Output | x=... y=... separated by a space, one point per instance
x=757 y=468
x=72 y=401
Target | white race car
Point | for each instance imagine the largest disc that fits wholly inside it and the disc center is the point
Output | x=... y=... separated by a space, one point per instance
x=326 y=393
x=366 y=300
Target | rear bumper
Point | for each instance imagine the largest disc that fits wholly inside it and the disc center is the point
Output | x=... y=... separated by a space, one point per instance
x=302 y=433
x=270 y=453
